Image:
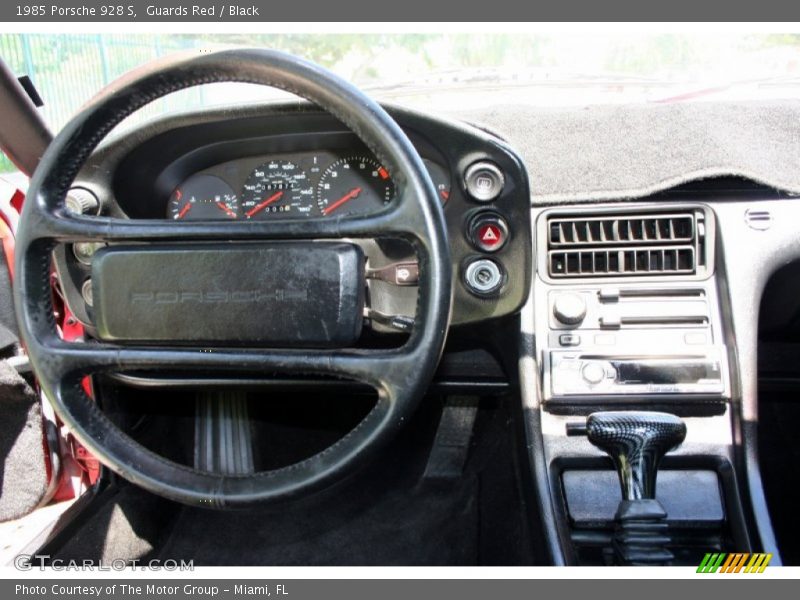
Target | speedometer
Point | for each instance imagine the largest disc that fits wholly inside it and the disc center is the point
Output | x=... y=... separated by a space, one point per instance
x=354 y=185
x=277 y=189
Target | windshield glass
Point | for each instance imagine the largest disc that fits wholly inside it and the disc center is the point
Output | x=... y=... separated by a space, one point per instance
x=437 y=72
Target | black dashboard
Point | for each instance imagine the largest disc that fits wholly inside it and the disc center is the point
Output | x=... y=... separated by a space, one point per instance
x=292 y=161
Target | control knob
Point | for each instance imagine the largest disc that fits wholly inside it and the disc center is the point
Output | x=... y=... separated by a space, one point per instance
x=81 y=201
x=593 y=373
x=569 y=309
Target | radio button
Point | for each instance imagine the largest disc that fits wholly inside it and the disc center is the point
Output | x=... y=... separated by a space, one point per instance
x=569 y=339
x=605 y=339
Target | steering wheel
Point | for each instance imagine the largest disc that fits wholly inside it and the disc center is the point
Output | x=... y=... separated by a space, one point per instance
x=399 y=375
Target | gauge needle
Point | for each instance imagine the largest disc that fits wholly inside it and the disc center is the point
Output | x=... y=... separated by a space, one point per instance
x=274 y=198
x=347 y=197
x=184 y=210
x=227 y=209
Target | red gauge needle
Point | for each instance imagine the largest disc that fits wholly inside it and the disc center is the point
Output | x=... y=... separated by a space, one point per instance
x=274 y=198
x=186 y=208
x=346 y=198
x=226 y=209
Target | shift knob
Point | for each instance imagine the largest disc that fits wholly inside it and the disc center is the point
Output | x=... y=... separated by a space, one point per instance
x=636 y=442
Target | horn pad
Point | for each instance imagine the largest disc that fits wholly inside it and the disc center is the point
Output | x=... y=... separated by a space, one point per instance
x=279 y=294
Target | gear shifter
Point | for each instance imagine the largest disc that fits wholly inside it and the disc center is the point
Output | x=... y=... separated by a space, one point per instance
x=636 y=442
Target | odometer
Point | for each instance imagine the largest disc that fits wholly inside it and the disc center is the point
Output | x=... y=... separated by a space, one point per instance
x=277 y=189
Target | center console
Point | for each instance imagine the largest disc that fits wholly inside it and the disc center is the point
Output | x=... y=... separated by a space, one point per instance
x=628 y=314
x=627 y=306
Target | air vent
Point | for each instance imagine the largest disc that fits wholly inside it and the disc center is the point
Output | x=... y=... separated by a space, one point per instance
x=611 y=230
x=620 y=245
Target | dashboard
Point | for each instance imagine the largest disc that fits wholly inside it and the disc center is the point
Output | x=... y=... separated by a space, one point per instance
x=280 y=162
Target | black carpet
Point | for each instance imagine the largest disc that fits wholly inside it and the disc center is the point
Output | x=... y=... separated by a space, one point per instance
x=23 y=478
x=390 y=527
x=386 y=514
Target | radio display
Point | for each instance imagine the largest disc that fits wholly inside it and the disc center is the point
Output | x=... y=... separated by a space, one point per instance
x=665 y=372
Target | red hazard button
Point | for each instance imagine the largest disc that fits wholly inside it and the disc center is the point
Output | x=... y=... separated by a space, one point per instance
x=488 y=231
x=490 y=235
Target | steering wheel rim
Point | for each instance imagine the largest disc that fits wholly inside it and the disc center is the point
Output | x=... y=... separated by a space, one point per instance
x=400 y=375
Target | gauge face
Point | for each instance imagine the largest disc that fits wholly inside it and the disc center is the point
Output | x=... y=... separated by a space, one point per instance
x=440 y=178
x=203 y=197
x=354 y=185
x=277 y=189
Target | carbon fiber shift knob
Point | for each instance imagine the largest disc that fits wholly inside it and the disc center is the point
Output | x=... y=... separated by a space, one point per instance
x=636 y=442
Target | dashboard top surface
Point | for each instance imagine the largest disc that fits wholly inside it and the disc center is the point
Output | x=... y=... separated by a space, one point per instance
x=616 y=152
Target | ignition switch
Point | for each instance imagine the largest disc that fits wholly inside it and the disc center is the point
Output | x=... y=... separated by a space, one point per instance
x=484 y=277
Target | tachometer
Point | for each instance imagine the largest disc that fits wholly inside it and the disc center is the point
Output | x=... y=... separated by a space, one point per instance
x=277 y=189
x=203 y=197
x=354 y=185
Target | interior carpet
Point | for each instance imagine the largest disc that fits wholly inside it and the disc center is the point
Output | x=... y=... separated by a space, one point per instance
x=421 y=526
x=23 y=477
x=386 y=514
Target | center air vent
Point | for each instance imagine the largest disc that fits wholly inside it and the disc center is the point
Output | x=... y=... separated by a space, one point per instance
x=630 y=244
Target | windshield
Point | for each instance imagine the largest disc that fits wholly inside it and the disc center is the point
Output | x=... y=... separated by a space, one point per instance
x=438 y=72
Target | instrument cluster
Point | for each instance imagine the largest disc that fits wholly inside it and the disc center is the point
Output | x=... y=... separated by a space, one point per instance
x=309 y=184
x=290 y=162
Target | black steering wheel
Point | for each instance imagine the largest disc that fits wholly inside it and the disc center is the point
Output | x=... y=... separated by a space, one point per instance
x=400 y=375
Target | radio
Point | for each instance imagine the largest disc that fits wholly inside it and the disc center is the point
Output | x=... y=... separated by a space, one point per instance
x=577 y=374
x=633 y=342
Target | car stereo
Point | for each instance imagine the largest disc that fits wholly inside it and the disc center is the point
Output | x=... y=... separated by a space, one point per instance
x=574 y=373
x=632 y=341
